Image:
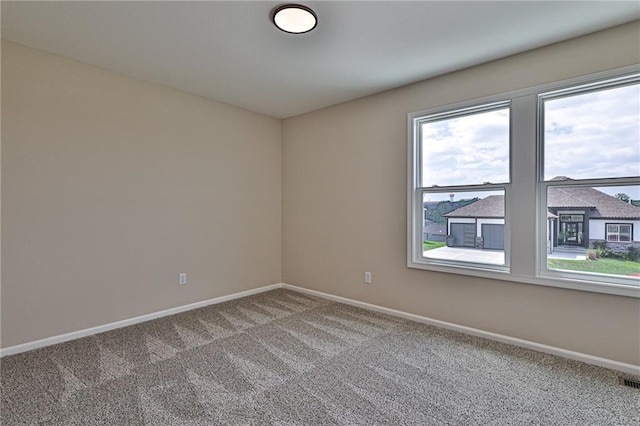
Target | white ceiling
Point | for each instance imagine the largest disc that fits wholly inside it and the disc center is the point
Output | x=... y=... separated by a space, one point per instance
x=230 y=51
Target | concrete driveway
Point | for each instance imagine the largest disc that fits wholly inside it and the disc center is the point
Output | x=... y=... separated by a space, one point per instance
x=493 y=257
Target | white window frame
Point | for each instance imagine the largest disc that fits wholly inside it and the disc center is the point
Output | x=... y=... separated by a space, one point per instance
x=417 y=191
x=525 y=196
x=544 y=185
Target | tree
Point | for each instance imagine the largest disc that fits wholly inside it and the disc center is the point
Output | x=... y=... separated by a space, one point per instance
x=623 y=197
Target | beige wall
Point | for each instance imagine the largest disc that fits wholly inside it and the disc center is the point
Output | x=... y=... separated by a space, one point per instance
x=344 y=209
x=111 y=186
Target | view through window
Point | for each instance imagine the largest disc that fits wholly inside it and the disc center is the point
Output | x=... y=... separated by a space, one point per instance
x=539 y=185
x=592 y=137
x=464 y=226
x=464 y=161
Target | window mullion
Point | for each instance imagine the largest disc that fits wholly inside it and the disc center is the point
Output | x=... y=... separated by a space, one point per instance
x=523 y=188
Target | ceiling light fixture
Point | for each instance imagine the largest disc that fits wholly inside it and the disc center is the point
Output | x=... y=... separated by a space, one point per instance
x=294 y=18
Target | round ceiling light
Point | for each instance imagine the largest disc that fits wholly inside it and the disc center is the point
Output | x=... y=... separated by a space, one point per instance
x=294 y=18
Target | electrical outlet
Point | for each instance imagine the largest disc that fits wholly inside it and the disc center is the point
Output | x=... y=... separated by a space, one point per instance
x=182 y=279
x=367 y=277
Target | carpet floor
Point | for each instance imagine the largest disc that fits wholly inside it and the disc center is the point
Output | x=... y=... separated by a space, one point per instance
x=286 y=358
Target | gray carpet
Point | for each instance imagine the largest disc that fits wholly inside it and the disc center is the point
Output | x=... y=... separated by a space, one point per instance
x=290 y=359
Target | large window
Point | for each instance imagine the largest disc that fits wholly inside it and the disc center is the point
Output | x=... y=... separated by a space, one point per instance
x=590 y=144
x=539 y=185
x=463 y=176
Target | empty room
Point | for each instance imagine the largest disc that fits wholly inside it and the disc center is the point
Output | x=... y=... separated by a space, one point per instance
x=327 y=212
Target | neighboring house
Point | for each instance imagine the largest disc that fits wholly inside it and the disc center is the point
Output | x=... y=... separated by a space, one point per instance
x=586 y=215
x=435 y=223
x=577 y=217
x=479 y=225
x=434 y=211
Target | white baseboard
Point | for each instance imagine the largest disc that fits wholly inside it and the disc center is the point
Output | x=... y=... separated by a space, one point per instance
x=12 y=350
x=578 y=356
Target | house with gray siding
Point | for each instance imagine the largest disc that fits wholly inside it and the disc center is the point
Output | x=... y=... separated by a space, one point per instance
x=577 y=217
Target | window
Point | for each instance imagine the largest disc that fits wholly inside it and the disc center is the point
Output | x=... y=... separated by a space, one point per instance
x=462 y=183
x=590 y=141
x=619 y=232
x=539 y=185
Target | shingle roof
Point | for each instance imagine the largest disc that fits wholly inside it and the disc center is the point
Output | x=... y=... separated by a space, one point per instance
x=570 y=197
x=602 y=205
x=491 y=206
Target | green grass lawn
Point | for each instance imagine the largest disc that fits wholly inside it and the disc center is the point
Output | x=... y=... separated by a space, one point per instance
x=600 y=266
x=430 y=245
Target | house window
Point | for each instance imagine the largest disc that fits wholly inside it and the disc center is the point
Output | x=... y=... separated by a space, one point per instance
x=619 y=232
x=529 y=185
x=462 y=179
x=590 y=149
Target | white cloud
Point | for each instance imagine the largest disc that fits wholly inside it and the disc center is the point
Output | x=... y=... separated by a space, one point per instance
x=600 y=134
x=591 y=135
x=466 y=150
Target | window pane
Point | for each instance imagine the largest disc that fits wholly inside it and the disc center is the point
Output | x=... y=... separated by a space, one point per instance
x=593 y=135
x=467 y=150
x=464 y=226
x=590 y=229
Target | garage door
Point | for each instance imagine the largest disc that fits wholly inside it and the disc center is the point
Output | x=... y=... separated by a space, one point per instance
x=464 y=234
x=493 y=236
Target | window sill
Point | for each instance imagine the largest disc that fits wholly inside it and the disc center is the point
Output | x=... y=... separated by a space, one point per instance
x=566 y=282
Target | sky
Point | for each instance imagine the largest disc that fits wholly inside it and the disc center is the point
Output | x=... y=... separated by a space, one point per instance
x=457 y=196
x=467 y=150
x=632 y=191
x=591 y=135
